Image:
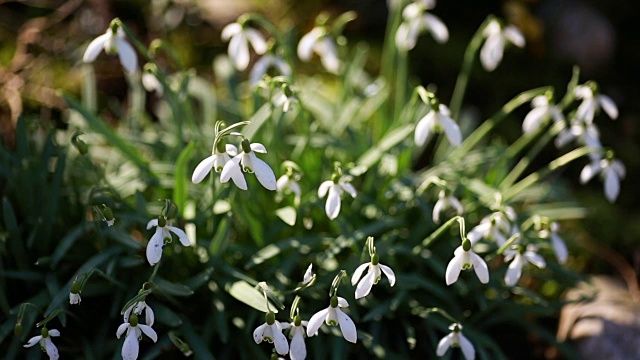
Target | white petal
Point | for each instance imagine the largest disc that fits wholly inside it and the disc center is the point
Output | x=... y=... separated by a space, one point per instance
x=128 y=57
x=232 y=150
x=364 y=287
x=282 y=66
x=423 y=128
x=588 y=172
x=324 y=187
x=130 y=347
x=480 y=267
x=539 y=101
x=203 y=169
x=535 y=259
x=514 y=271
x=239 y=51
x=437 y=209
x=152 y=223
x=611 y=184
x=51 y=349
x=608 y=106
x=444 y=344
x=307 y=43
x=122 y=328
x=404 y=40
x=263 y=172
x=257 y=40
x=347 y=327
x=436 y=27
x=586 y=110
x=342 y=302
x=619 y=168
x=147 y=330
x=332 y=207
x=257 y=333
x=154 y=247
x=34 y=340
x=563 y=138
x=316 y=321
x=279 y=340
x=559 y=248
x=453 y=268
x=349 y=189
x=282 y=183
x=308 y=274
x=230 y=30
x=184 y=239
x=298 y=349
x=127 y=313
x=95 y=47
x=259 y=69
x=533 y=119
x=149 y=316
x=54 y=332
x=328 y=54
x=491 y=52
x=357 y=274
x=514 y=36
x=451 y=129
x=231 y=170
x=467 y=348
x=390 y=274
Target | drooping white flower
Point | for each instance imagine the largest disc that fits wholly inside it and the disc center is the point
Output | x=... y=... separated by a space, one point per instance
x=592 y=102
x=518 y=259
x=416 y=19
x=496 y=38
x=335 y=189
x=247 y=161
x=220 y=156
x=612 y=170
x=456 y=339
x=113 y=44
x=318 y=40
x=297 y=349
x=374 y=273
x=271 y=331
x=163 y=231
x=496 y=226
x=151 y=83
x=445 y=202
x=559 y=247
x=137 y=309
x=586 y=134
x=239 y=37
x=44 y=339
x=542 y=110
x=131 y=347
x=284 y=99
x=437 y=121
x=308 y=275
x=74 y=293
x=333 y=315
x=267 y=61
x=465 y=258
x=288 y=183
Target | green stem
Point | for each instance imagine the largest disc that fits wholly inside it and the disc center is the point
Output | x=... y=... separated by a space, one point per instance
x=434 y=235
x=401 y=85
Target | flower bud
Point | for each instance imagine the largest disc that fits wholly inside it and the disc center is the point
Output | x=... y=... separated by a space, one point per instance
x=270 y=318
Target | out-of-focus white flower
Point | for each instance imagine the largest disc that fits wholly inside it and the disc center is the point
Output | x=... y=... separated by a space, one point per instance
x=74 y=294
x=592 y=102
x=271 y=331
x=239 y=37
x=163 y=231
x=374 y=273
x=247 y=161
x=288 y=183
x=134 y=330
x=151 y=83
x=559 y=247
x=496 y=226
x=586 y=134
x=416 y=19
x=496 y=39
x=335 y=189
x=519 y=258
x=267 y=61
x=308 y=275
x=612 y=170
x=541 y=111
x=445 y=202
x=113 y=43
x=45 y=342
x=456 y=339
x=284 y=99
x=437 y=121
x=333 y=315
x=464 y=258
x=137 y=309
x=297 y=349
x=318 y=40
x=220 y=156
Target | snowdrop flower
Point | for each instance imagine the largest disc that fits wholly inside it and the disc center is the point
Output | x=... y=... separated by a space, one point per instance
x=163 y=231
x=284 y=99
x=333 y=316
x=335 y=189
x=219 y=157
x=298 y=349
x=308 y=275
x=247 y=161
x=319 y=41
x=137 y=309
x=261 y=67
x=417 y=20
x=518 y=259
x=437 y=121
x=45 y=342
x=586 y=134
x=612 y=171
x=559 y=247
x=541 y=111
x=74 y=294
x=374 y=273
x=445 y=202
x=288 y=183
x=464 y=258
x=134 y=331
x=151 y=83
x=496 y=39
x=239 y=37
x=592 y=103
x=113 y=42
x=456 y=339
x=271 y=331
x=495 y=226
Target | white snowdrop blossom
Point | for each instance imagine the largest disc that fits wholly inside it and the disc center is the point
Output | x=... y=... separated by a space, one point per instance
x=137 y=309
x=465 y=258
x=131 y=347
x=271 y=331
x=44 y=339
x=586 y=134
x=267 y=61
x=297 y=349
x=612 y=170
x=496 y=39
x=308 y=275
x=151 y=83
x=219 y=157
x=542 y=110
x=495 y=226
x=445 y=202
x=74 y=294
x=437 y=121
x=284 y=99
x=456 y=339
x=559 y=247
x=319 y=41
x=374 y=273
x=333 y=315
x=162 y=234
x=113 y=43
x=518 y=259
x=288 y=183
x=592 y=102
x=335 y=189
x=416 y=19
x=239 y=37
x=247 y=161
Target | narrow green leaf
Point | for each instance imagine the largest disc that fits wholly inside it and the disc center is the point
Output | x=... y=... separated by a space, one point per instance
x=67 y=242
x=251 y=296
x=16 y=243
x=180 y=178
x=257 y=120
x=166 y=316
x=172 y=288
x=374 y=154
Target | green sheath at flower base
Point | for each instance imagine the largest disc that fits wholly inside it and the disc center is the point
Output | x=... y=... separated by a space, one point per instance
x=133 y=320
x=270 y=318
x=334 y=302
x=162 y=221
x=75 y=287
x=375 y=259
x=44 y=332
